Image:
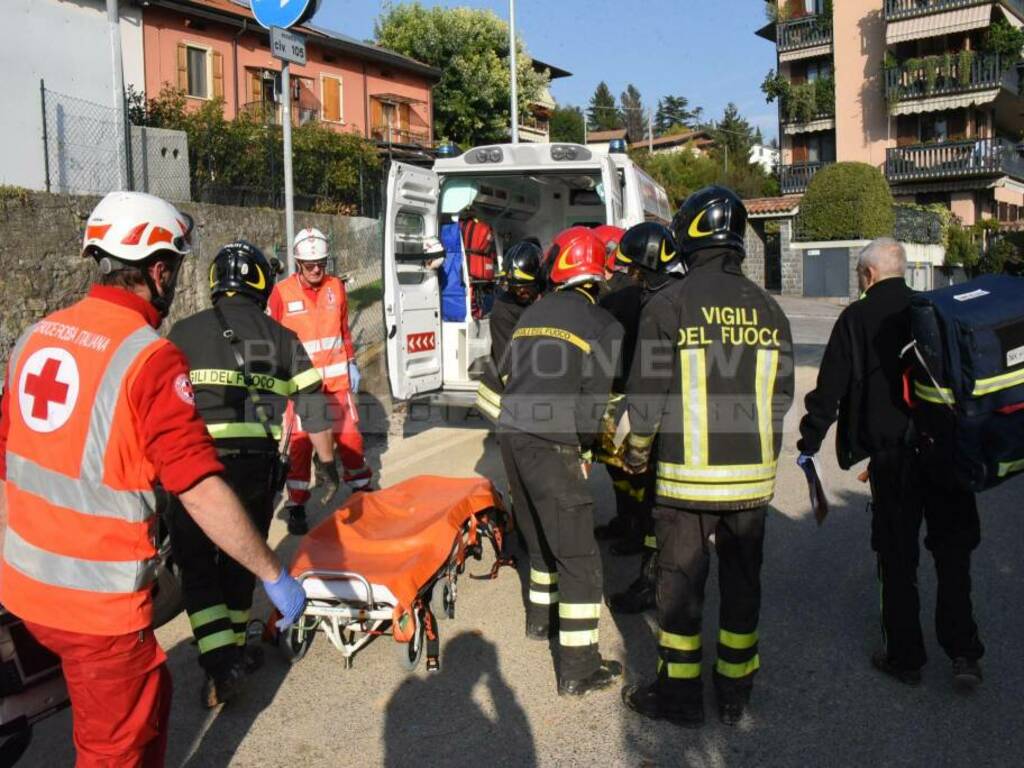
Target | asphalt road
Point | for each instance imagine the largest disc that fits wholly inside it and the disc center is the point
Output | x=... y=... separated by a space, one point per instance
x=817 y=701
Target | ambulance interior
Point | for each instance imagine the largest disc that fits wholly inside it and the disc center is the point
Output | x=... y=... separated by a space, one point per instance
x=514 y=207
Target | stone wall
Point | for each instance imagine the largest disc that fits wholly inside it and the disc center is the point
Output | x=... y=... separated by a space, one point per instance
x=792 y=261
x=41 y=239
x=753 y=264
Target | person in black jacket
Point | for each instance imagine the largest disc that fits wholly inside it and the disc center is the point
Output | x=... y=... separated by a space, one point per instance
x=860 y=382
x=712 y=380
x=560 y=365
x=246 y=429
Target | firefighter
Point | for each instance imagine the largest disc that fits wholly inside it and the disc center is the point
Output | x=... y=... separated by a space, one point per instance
x=559 y=365
x=244 y=368
x=314 y=305
x=521 y=283
x=713 y=379
x=649 y=252
x=104 y=410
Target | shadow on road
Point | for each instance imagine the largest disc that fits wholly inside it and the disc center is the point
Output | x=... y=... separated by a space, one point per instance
x=466 y=713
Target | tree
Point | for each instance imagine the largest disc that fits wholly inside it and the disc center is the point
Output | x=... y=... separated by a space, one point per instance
x=567 y=125
x=633 y=112
x=734 y=132
x=470 y=47
x=674 y=113
x=603 y=114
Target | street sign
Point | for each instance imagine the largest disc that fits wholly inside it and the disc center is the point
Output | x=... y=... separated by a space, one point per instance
x=287 y=46
x=283 y=13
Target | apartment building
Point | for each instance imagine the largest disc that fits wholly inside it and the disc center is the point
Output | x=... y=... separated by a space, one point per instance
x=912 y=87
x=215 y=49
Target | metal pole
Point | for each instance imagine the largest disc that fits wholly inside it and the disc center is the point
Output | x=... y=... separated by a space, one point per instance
x=289 y=203
x=46 y=138
x=515 y=74
x=113 y=21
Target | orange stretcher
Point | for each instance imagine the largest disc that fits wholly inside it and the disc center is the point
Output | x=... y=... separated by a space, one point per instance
x=388 y=562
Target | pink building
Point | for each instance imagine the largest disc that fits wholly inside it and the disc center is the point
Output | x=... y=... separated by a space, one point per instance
x=215 y=49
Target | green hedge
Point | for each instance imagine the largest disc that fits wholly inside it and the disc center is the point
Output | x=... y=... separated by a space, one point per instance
x=846 y=201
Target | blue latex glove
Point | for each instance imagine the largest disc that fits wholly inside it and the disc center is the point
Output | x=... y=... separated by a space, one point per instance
x=804 y=460
x=353 y=376
x=288 y=597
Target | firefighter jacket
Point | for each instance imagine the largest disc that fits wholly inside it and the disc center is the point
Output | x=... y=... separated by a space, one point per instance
x=623 y=300
x=503 y=319
x=559 y=366
x=276 y=364
x=713 y=378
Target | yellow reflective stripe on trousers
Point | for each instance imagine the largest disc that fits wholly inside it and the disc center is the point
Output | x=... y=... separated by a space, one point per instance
x=998 y=383
x=241 y=429
x=695 y=406
x=678 y=642
x=680 y=670
x=723 y=473
x=540 y=577
x=488 y=401
x=305 y=379
x=208 y=616
x=764 y=393
x=1010 y=466
x=579 y=611
x=689 y=492
x=578 y=638
x=650 y=542
x=543 y=598
x=736 y=640
x=941 y=396
x=728 y=669
x=217 y=640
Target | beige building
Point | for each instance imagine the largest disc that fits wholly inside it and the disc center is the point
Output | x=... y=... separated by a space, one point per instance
x=910 y=87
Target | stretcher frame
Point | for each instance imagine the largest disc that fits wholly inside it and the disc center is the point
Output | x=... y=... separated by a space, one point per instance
x=351 y=624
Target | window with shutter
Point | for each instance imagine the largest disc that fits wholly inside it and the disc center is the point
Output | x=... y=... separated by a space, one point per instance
x=182 y=67
x=218 y=75
x=198 y=76
x=330 y=88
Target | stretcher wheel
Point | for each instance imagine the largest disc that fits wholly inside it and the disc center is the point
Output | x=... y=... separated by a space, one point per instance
x=294 y=642
x=410 y=654
x=442 y=602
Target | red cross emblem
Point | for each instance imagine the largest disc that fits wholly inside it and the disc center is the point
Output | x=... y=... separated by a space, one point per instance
x=45 y=389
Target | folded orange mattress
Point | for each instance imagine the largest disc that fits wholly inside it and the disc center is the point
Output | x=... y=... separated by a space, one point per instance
x=398 y=537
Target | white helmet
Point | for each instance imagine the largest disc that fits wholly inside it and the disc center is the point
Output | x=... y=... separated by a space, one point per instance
x=310 y=245
x=132 y=226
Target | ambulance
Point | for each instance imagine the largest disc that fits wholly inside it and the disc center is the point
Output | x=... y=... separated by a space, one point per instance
x=436 y=349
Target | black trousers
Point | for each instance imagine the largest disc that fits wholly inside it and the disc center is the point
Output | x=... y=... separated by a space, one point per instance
x=634 y=500
x=218 y=591
x=902 y=494
x=683 y=563
x=555 y=511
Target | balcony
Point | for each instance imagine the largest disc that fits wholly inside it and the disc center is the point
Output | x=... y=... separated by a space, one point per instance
x=950 y=75
x=795 y=178
x=534 y=129
x=270 y=112
x=805 y=32
x=389 y=134
x=896 y=10
x=954 y=160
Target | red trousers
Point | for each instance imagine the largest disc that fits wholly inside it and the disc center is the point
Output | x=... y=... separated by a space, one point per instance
x=347 y=438
x=120 y=692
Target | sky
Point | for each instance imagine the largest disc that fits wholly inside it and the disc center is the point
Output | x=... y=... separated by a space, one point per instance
x=703 y=50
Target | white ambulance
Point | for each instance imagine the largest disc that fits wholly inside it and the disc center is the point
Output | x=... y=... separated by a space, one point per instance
x=520 y=191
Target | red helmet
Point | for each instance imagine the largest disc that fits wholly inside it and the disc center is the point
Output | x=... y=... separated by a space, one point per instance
x=577 y=255
x=610 y=236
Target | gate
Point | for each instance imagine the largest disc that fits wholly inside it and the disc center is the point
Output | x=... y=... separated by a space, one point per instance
x=827 y=272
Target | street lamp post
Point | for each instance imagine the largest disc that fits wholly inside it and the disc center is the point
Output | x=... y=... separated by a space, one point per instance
x=515 y=72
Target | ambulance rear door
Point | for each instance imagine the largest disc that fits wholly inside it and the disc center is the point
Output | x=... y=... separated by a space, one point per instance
x=612 y=185
x=412 y=296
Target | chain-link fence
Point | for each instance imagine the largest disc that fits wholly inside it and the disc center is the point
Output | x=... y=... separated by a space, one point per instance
x=93 y=148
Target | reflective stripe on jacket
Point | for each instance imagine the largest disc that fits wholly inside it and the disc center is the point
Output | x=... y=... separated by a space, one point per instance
x=79 y=549
x=321 y=325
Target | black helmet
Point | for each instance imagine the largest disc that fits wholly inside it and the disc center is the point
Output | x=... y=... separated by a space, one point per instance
x=649 y=246
x=241 y=267
x=713 y=217
x=522 y=264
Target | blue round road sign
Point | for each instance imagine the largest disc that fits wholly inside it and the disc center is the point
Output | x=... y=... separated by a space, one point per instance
x=282 y=13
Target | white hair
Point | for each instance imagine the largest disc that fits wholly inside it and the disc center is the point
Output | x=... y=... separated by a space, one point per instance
x=886 y=255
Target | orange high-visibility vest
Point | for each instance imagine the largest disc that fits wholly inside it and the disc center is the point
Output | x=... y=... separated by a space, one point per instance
x=318 y=324
x=79 y=549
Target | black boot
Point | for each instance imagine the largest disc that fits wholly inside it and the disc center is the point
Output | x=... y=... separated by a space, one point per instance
x=222 y=687
x=732 y=705
x=906 y=676
x=297 y=525
x=639 y=597
x=648 y=701
x=966 y=674
x=539 y=623
x=601 y=678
